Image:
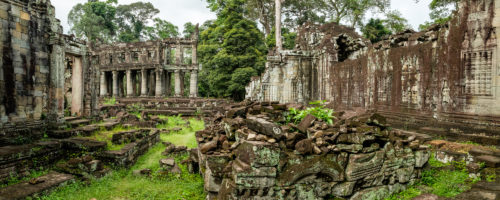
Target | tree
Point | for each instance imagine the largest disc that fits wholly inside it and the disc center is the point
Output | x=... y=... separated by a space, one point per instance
x=231 y=50
x=94 y=20
x=298 y=12
x=189 y=29
x=262 y=11
x=351 y=11
x=162 y=29
x=395 y=22
x=375 y=30
x=132 y=20
x=441 y=11
x=288 y=39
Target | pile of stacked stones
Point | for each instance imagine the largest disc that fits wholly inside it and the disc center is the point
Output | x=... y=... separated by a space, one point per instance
x=251 y=152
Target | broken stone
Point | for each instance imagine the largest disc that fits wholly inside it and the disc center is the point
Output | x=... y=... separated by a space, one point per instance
x=209 y=146
x=306 y=123
x=265 y=127
x=167 y=162
x=304 y=146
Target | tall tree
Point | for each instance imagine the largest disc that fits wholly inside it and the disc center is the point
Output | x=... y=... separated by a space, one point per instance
x=298 y=12
x=279 y=42
x=395 y=22
x=132 y=20
x=352 y=11
x=94 y=20
x=231 y=50
x=375 y=30
x=189 y=29
x=263 y=12
x=161 y=29
x=441 y=11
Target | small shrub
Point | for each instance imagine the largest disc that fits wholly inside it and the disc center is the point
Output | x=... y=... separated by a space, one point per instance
x=110 y=101
x=318 y=110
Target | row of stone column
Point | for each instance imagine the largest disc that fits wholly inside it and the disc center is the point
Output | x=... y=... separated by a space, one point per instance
x=162 y=83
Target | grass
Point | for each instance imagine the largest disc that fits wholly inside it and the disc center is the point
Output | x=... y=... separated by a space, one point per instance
x=106 y=136
x=123 y=185
x=184 y=137
x=441 y=182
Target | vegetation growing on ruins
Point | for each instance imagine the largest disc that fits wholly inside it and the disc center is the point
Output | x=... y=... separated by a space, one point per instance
x=123 y=184
x=110 y=101
x=317 y=110
x=442 y=179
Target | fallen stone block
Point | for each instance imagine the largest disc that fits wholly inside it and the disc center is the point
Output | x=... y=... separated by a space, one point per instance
x=35 y=186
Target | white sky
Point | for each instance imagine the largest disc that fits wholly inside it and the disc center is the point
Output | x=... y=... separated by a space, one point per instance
x=179 y=12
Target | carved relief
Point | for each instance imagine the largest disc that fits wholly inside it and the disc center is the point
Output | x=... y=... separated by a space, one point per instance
x=410 y=77
x=478 y=70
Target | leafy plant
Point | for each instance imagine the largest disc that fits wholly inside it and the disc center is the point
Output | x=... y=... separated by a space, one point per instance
x=318 y=110
x=110 y=101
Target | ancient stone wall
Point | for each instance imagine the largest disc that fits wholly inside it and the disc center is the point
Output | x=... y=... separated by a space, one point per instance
x=32 y=63
x=447 y=76
x=247 y=154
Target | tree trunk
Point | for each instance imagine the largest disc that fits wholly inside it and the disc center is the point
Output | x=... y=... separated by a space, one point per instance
x=279 y=43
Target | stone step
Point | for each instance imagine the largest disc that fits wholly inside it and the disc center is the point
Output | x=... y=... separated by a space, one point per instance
x=77 y=123
x=70 y=119
x=489 y=160
x=36 y=186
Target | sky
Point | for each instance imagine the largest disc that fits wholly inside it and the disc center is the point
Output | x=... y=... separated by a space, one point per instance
x=179 y=12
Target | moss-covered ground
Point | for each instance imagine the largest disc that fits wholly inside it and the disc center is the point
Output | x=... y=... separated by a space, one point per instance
x=440 y=180
x=123 y=185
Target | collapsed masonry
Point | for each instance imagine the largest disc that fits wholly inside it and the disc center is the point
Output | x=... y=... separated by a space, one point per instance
x=445 y=79
x=46 y=75
x=247 y=155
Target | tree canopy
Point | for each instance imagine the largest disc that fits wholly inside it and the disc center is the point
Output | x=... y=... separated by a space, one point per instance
x=106 y=22
x=231 y=50
x=94 y=20
x=375 y=30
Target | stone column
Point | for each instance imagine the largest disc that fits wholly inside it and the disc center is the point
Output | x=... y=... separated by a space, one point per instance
x=130 y=87
x=144 y=83
x=159 y=84
x=177 y=75
x=193 y=84
x=115 y=84
x=77 y=87
x=104 y=84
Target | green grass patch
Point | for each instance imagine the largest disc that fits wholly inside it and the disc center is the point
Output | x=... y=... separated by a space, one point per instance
x=105 y=136
x=122 y=184
x=184 y=137
x=441 y=182
x=33 y=174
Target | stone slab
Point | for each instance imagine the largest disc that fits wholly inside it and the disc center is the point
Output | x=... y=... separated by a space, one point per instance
x=27 y=189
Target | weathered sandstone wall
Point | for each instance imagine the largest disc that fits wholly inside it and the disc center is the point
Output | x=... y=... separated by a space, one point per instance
x=447 y=76
x=33 y=56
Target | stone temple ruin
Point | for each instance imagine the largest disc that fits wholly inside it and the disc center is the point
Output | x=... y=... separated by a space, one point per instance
x=445 y=79
x=46 y=73
x=148 y=68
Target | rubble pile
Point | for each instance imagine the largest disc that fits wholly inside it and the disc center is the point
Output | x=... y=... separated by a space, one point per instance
x=252 y=152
